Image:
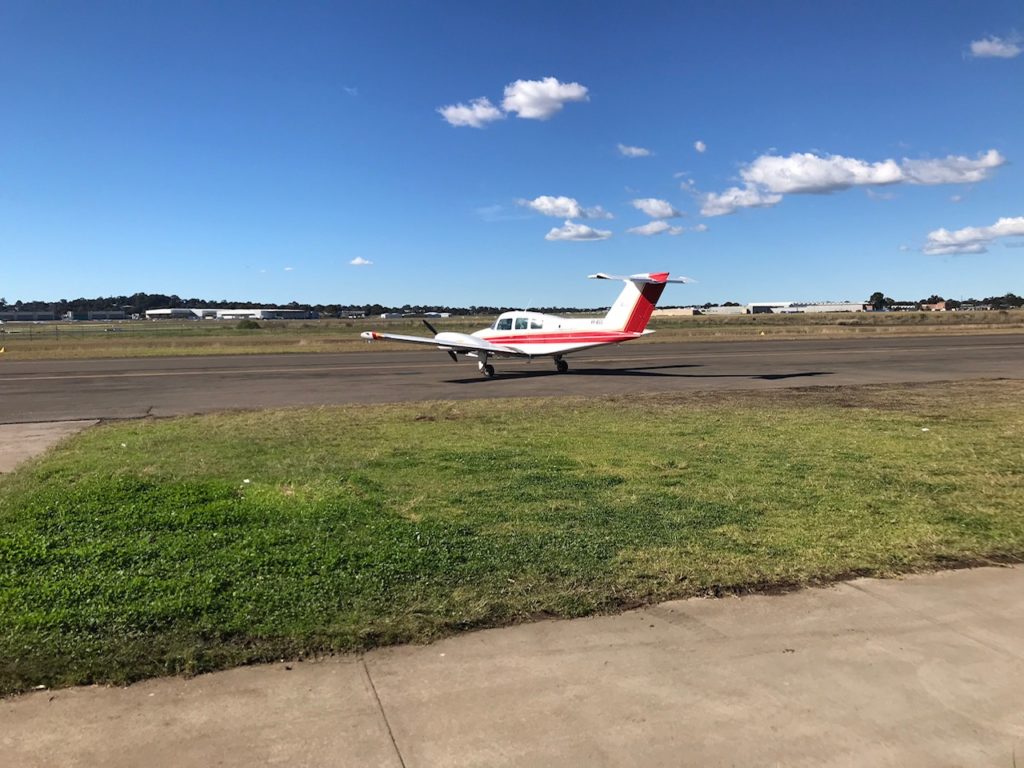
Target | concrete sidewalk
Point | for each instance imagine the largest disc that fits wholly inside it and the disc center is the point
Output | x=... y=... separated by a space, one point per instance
x=922 y=671
x=20 y=442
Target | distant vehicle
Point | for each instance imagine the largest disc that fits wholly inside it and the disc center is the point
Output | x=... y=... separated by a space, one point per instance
x=533 y=334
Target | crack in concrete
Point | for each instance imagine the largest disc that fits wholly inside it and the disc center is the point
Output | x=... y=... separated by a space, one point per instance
x=380 y=708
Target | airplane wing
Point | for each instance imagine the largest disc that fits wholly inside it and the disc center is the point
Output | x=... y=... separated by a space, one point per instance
x=450 y=342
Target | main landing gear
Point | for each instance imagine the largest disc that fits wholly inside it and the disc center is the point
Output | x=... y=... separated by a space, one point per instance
x=561 y=365
x=485 y=368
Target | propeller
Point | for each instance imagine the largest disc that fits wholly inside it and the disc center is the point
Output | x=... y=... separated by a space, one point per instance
x=433 y=330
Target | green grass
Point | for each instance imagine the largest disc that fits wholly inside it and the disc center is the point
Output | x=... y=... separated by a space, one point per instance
x=28 y=341
x=148 y=548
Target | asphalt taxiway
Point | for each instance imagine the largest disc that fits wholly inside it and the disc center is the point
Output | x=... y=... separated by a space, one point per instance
x=61 y=390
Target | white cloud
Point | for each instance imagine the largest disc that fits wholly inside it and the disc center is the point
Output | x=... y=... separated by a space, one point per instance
x=735 y=198
x=952 y=169
x=994 y=48
x=972 y=239
x=700 y=146
x=808 y=173
x=574 y=231
x=564 y=208
x=477 y=114
x=700 y=228
x=956 y=198
x=350 y=90
x=359 y=261
x=289 y=269
x=656 y=227
x=655 y=208
x=770 y=176
x=805 y=172
x=628 y=151
x=541 y=99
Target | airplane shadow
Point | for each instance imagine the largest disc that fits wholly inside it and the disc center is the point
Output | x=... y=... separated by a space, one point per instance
x=649 y=371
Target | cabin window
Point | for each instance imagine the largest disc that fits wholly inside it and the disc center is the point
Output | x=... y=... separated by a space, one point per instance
x=522 y=323
x=536 y=323
x=505 y=324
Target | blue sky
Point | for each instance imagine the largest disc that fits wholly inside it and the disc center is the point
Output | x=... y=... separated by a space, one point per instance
x=255 y=150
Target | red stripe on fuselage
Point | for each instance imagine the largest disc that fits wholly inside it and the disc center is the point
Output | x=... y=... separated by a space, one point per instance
x=562 y=338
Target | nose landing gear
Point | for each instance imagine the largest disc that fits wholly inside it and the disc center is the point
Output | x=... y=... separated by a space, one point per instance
x=561 y=365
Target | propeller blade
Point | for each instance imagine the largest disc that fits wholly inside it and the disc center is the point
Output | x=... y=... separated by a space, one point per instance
x=433 y=330
x=451 y=354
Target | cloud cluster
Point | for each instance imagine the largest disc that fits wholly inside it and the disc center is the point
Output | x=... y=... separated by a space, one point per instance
x=477 y=114
x=700 y=146
x=528 y=99
x=769 y=177
x=541 y=99
x=359 y=261
x=735 y=198
x=564 y=208
x=994 y=48
x=627 y=151
x=655 y=208
x=656 y=227
x=942 y=242
x=580 y=232
x=804 y=172
x=952 y=169
x=662 y=227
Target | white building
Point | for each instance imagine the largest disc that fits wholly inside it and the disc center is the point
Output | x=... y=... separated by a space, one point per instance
x=175 y=313
x=266 y=313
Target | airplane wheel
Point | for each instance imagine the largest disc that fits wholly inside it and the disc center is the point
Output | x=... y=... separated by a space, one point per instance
x=488 y=371
x=562 y=366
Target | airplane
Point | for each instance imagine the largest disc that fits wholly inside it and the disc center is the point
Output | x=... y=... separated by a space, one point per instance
x=534 y=334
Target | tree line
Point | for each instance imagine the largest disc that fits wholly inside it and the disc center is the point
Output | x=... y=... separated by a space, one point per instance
x=879 y=301
x=138 y=303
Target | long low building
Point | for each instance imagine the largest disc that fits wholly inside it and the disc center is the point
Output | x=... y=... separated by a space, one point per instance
x=790 y=307
x=202 y=313
x=768 y=307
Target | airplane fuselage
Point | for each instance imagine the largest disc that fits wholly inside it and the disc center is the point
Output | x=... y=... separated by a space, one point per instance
x=538 y=334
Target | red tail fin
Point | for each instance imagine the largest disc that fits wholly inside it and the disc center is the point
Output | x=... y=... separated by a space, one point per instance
x=644 y=307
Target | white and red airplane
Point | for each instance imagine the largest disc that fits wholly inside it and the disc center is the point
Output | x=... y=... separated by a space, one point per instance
x=533 y=334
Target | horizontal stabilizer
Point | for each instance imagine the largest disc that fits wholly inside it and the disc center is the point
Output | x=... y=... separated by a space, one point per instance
x=657 y=278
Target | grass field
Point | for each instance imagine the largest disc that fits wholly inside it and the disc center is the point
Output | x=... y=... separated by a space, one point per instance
x=27 y=341
x=146 y=548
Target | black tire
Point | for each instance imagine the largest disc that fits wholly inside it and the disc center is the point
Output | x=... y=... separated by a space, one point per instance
x=488 y=371
x=562 y=366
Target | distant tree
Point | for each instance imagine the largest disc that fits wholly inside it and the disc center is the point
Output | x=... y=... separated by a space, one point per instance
x=877 y=300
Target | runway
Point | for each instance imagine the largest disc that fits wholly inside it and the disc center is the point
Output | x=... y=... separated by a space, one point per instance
x=62 y=390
